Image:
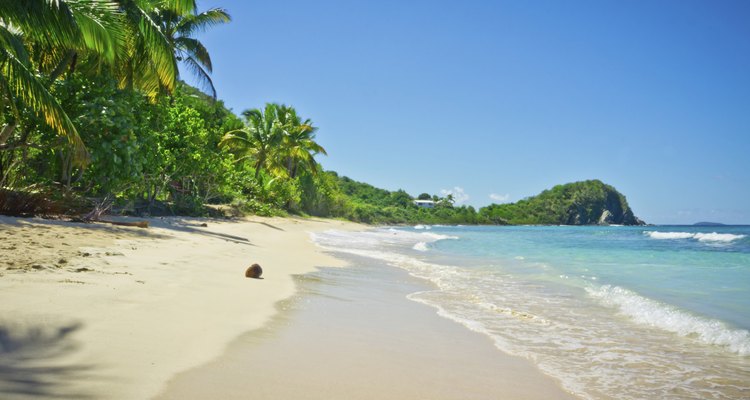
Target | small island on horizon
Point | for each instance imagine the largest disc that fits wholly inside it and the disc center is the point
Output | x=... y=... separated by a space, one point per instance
x=704 y=223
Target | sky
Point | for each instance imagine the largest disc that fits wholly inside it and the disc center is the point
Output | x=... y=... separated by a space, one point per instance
x=495 y=101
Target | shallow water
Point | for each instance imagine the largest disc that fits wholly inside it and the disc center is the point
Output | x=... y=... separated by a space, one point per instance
x=611 y=312
x=350 y=333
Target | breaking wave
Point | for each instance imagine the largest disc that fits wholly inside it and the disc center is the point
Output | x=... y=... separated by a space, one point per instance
x=421 y=246
x=668 y=318
x=701 y=237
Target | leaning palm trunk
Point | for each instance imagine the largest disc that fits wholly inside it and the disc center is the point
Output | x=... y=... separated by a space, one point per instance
x=6 y=133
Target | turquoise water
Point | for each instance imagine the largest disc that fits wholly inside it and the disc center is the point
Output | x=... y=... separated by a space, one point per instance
x=611 y=312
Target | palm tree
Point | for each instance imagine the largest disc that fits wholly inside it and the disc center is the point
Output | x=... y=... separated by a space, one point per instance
x=179 y=28
x=55 y=27
x=259 y=140
x=160 y=37
x=149 y=63
x=299 y=146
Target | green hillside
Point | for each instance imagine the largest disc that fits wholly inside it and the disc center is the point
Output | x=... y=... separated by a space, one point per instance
x=579 y=203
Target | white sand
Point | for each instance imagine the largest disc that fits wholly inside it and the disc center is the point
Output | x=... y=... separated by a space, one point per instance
x=352 y=334
x=107 y=312
x=146 y=304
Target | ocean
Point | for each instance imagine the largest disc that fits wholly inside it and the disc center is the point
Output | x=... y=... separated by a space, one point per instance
x=610 y=312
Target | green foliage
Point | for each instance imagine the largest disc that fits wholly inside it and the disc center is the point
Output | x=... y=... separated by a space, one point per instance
x=579 y=203
x=113 y=125
x=365 y=203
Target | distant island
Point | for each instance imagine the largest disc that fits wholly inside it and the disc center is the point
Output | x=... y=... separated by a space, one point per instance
x=708 y=224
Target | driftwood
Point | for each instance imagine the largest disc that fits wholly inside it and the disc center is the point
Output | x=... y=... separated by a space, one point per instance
x=102 y=207
x=140 y=224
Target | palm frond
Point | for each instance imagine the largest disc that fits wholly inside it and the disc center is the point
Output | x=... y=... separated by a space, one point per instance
x=180 y=6
x=13 y=42
x=101 y=26
x=252 y=114
x=158 y=52
x=204 y=80
x=42 y=21
x=29 y=89
x=234 y=139
x=196 y=50
x=191 y=24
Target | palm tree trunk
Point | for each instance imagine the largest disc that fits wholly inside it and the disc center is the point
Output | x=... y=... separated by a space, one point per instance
x=258 y=166
x=67 y=60
x=7 y=132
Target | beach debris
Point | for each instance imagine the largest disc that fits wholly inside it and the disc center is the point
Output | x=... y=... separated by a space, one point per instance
x=72 y=281
x=254 y=271
x=101 y=208
x=140 y=224
x=204 y=225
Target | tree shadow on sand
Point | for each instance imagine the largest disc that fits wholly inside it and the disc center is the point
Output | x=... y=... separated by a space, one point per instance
x=188 y=225
x=27 y=362
x=88 y=227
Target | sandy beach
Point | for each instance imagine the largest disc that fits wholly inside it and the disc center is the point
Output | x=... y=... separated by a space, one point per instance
x=351 y=333
x=102 y=311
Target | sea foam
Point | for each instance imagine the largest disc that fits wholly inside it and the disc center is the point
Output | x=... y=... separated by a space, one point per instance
x=702 y=237
x=421 y=246
x=563 y=329
x=669 y=318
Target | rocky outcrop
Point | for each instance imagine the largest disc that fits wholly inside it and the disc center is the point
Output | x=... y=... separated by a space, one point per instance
x=596 y=203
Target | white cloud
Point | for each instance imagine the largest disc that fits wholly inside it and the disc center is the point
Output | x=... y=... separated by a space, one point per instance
x=500 y=198
x=458 y=194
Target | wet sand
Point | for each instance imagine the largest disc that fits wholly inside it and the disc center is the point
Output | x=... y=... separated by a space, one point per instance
x=351 y=333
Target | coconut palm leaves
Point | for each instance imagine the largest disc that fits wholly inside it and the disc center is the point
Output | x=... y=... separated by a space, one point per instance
x=72 y=24
x=276 y=140
x=258 y=140
x=179 y=29
x=161 y=36
x=299 y=147
x=53 y=27
x=20 y=85
x=41 y=39
x=149 y=64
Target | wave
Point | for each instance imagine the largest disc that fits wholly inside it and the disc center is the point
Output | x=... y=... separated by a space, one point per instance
x=701 y=237
x=421 y=246
x=375 y=238
x=436 y=236
x=669 y=318
x=377 y=241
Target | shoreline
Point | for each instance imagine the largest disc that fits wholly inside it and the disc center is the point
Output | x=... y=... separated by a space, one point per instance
x=94 y=311
x=353 y=333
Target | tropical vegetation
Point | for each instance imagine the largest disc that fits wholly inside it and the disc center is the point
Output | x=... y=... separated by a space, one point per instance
x=93 y=114
x=579 y=203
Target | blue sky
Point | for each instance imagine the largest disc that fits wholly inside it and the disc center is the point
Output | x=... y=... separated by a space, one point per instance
x=508 y=98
